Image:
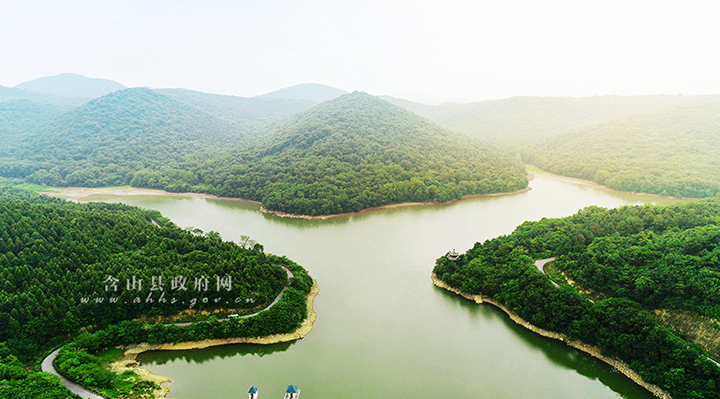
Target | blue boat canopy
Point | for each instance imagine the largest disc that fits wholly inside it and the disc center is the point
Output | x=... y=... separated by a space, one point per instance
x=253 y=390
x=292 y=389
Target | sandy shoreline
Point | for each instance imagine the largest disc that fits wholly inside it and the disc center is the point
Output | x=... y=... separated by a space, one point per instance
x=390 y=206
x=77 y=194
x=129 y=361
x=589 y=349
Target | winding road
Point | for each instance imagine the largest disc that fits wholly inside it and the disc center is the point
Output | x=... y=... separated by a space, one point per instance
x=47 y=363
x=541 y=263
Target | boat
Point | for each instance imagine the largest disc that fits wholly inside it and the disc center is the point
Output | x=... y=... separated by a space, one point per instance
x=253 y=392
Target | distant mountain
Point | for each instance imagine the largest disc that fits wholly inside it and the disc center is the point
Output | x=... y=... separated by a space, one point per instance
x=13 y=94
x=252 y=114
x=519 y=122
x=107 y=140
x=675 y=152
x=306 y=91
x=72 y=85
x=356 y=152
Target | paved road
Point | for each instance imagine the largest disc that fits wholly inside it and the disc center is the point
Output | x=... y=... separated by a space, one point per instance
x=540 y=263
x=47 y=364
x=277 y=298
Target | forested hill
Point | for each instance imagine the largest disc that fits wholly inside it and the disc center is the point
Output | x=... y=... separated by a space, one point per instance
x=87 y=271
x=670 y=152
x=72 y=85
x=519 y=122
x=639 y=263
x=107 y=140
x=357 y=152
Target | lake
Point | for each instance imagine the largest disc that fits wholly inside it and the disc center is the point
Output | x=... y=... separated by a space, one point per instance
x=383 y=330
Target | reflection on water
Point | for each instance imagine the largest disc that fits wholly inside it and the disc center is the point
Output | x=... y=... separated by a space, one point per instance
x=383 y=330
x=555 y=351
x=199 y=356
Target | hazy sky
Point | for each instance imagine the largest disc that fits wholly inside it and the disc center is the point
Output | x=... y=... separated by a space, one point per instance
x=428 y=51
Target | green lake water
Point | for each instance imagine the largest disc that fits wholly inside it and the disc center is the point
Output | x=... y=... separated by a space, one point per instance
x=383 y=330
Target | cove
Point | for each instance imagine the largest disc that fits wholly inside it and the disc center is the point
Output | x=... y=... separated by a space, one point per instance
x=383 y=330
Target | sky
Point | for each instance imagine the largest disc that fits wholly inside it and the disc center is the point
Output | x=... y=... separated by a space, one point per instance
x=426 y=51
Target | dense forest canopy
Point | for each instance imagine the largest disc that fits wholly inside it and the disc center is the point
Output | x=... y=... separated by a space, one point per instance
x=53 y=254
x=19 y=117
x=66 y=268
x=638 y=258
x=675 y=152
x=357 y=152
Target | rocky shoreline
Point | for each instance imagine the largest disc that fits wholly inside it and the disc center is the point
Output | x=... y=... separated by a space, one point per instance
x=589 y=349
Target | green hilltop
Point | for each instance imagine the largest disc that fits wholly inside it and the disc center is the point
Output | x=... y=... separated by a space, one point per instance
x=108 y=139
x=356 y=152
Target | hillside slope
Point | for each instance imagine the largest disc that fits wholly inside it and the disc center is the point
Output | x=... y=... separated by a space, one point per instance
x=670 y=152
x=520 y=122
x=22 y=116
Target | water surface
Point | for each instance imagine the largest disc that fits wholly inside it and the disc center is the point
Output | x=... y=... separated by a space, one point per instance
x=383 y=330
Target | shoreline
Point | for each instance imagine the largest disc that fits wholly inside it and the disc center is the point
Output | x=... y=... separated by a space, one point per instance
x=593 y=351
x=598 y=186
x=389 y=206
x=76 y=194
x=130 y=362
